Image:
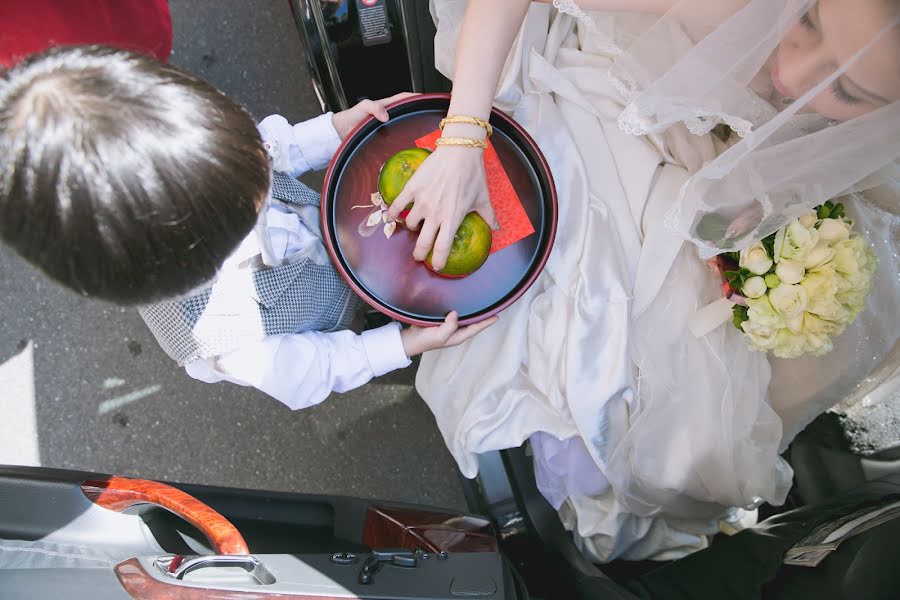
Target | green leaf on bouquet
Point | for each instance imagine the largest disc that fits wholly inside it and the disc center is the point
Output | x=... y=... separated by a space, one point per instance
x=736 y=279
x=825 y=211
x=829 y=210
x=739 y=315
x=733 y=278
x=735 y=256
x=768 y=243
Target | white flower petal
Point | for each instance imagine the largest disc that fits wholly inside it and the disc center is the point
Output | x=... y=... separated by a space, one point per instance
x=366 y=230
x=389 y=229
x=790 y=271
x=374 y=218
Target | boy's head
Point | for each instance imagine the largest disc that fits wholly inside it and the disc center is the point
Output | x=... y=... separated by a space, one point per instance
x=124 y=178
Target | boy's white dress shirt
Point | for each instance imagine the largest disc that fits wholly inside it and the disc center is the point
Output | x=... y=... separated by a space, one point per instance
x=300 y=369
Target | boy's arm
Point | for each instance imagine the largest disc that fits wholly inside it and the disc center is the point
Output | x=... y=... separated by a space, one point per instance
x=309 y=146
x=302 y=369
x=296 y=149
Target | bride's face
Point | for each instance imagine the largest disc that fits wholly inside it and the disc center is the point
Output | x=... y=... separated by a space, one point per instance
x=826 y=38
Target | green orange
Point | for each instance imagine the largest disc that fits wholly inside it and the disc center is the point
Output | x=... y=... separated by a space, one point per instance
x=397 y=170
x=471 y=247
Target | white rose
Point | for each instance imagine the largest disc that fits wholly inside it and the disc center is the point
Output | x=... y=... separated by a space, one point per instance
x=851 y=303
x=761 y=337
x=791 y=345
x=754 y=287
x=755 y=259
x=761 y=313
x=809 y=219
x=850 y=255
x=795 y=324
x=817 y=326
x=819 y=255
x=788 y=300
x=821 y=287
x=833 y=230
x=790 y=271
x=794 y=242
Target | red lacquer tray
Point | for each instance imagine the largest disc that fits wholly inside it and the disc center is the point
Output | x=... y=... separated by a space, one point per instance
x=382 y=270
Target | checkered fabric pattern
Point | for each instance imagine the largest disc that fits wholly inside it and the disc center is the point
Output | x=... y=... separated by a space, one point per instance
x=292 y=298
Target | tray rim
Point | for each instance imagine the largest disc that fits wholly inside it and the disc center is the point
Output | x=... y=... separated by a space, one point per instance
x=524 y=284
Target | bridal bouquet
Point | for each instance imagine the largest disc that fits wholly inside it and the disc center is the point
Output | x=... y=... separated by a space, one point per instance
x=801 y=285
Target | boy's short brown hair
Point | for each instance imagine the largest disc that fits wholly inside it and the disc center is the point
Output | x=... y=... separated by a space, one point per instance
x=124 y=178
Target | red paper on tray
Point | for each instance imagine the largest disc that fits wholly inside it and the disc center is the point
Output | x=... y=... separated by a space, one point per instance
x=514 y=222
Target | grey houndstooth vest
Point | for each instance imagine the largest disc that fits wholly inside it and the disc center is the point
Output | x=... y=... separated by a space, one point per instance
x=292 y=298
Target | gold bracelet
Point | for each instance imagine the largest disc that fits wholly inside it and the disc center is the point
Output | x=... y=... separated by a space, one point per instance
x=467 y=142
x=468 y=121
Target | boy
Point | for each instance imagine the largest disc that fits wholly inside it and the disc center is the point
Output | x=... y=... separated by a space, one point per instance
x=135 y=182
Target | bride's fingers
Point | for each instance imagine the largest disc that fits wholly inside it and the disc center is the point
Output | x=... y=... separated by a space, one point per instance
x=414 y=218
x=484 y=208
x=426 y=240
x=400 y=203
x=470 y=331
x=442 y=245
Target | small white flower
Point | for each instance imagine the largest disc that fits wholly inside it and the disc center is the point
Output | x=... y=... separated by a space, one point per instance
x=754 y=287
x=833 y=230
x=790 y=271
x=377 y=217
x=755 y=259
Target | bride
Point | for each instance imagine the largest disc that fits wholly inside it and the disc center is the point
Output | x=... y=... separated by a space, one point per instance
x=645 y=432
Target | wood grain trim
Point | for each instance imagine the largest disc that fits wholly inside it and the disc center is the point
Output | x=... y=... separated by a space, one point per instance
x=119 y=493
x=142 y=586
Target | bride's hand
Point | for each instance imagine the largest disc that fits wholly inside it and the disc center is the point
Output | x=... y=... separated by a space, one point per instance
x=446 y=187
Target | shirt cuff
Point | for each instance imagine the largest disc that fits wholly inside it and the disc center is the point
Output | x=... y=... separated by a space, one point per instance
x=276 y=134
x=317 y=140
x=384 y=349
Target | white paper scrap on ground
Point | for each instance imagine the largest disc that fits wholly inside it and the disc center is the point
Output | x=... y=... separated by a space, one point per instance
x=18 y=424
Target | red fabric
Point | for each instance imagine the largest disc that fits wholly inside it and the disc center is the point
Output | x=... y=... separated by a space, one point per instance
x=29 y=26
x=514 y=222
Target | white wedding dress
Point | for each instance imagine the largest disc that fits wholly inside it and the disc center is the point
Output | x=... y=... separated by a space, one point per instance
x=602 y=334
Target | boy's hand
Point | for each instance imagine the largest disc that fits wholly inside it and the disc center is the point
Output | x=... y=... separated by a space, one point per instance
x=417 y=340
x=347 y=120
